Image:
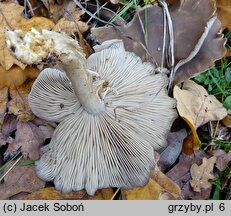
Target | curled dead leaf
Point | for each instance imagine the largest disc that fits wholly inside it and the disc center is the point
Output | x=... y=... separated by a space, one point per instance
x=171 y=152
x=198 y=41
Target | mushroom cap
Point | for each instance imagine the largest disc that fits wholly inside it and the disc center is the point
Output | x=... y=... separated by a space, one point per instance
x=116 y=147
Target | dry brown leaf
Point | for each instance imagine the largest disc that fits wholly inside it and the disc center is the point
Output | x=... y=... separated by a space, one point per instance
x=20 y=179
x=68 y=24
x=227 y=121
x=159 y=187
x=3 y=104
x=228 y=53
x=224 y=12
x=19 y=105
x=180 y=174
x=8 y=127
x=196 y=105
x=190 y=19
x=223 y=158
x=15 y=76
x=30 y=138
x=50 y=193
x=10 y=16
x=72 y=25
x=202 y=174
x=171 y=152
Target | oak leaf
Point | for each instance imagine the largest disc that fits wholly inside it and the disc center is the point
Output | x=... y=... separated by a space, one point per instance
x=180 y=174
x=20 y=179
x=196 y=105
x=10 y=17
x=202 y=174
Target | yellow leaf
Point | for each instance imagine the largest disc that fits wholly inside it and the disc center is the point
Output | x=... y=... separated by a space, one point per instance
x=15 y=76
x=159 y=187
x=19 y=105
x=50 y=193
x=196 y=106
x=10 y=17
x=3 y=104
x=224 y=12
x=202 y=174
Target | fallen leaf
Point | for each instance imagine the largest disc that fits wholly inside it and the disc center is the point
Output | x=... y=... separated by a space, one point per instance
x=72 y=25
x=8 y=127
x=30 y=138
x=50 y=193
x=180 y=174
x=222 y=157
x=3 y=104
x=20 y=179
x=227 y=121
x=151 y=191
x=19 y=104
x=68 y=24
x=228 y=53
x=10 y=16
x=196 y=105
x=15 y=76
x=224 y=13
x=171 y=152
x=202 y=174
x=191 y=21
x=189 y=145
x=159 y=187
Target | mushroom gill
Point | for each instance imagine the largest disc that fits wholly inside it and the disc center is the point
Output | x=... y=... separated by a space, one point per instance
x=113 y=110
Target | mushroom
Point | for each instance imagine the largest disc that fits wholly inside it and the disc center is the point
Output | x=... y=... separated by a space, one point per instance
x=113 y=111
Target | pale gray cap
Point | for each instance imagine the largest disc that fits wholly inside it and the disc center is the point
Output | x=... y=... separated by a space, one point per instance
x=116 y=147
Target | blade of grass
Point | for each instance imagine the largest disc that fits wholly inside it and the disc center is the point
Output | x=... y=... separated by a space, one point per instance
x=124 y=10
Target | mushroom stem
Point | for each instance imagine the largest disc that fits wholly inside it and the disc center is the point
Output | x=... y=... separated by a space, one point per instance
x=82 y=84
x=33 y=47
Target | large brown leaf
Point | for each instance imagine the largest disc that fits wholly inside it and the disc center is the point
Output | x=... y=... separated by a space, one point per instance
x=20 y=179
x=190 y=18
